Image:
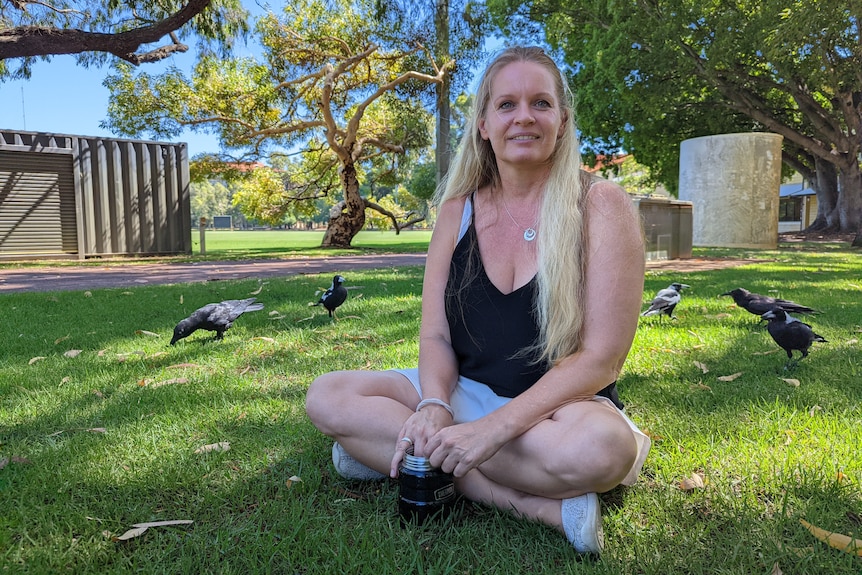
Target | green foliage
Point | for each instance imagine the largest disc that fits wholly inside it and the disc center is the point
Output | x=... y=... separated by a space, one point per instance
x=261 y=196
x=423 y=181
x=210 y=198
x=651 y=74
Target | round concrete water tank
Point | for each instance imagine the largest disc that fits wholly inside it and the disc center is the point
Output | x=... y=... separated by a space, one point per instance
x=732 y=181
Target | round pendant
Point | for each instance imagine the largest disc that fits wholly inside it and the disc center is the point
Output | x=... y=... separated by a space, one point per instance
x=529 y=234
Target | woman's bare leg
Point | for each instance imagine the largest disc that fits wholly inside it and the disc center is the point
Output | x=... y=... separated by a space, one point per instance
x=584 y=447
x=363 y=411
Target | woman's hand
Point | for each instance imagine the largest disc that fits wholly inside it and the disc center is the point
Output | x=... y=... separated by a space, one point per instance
x=419 y=428
x=459 y=448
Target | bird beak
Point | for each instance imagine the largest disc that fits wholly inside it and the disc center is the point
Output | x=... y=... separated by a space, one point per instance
x=768 y=315
x=685 y=285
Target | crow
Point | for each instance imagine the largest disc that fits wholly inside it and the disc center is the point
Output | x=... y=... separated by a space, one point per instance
x=665 y=300
x=790 y=333
x=760 y=304
x=334 y=296
x=217 y=317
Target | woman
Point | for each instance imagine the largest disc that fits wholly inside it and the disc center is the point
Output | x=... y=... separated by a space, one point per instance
x=531 y=296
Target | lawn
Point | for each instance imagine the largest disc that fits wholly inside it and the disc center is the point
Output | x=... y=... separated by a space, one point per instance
x=103 y=425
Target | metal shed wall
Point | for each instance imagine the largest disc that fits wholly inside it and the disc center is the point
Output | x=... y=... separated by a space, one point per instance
x=130 y=197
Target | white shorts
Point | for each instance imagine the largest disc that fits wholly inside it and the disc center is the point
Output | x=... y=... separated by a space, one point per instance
x=471 y=400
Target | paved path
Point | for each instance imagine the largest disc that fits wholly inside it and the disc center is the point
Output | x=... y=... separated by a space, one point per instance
x=64 y=278
x=75 y=277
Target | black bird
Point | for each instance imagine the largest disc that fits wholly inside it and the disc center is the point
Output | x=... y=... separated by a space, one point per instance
x=790 y=333
x=665 y=300
x=760 y=304
x=334 y=296
x=217 y=317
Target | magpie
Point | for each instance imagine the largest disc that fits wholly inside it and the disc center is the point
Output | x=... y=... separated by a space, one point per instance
x=665 y=300
x=790 y=333
x=334 y=296
x=217 y=317
x=760 y=304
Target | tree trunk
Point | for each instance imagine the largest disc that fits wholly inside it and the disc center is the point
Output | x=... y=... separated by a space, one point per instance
x=442 y=152
x=850 y=198
x=826 y=188
x=347 y=217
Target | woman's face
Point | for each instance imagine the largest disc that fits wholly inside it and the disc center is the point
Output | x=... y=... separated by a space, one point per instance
x=524 y=118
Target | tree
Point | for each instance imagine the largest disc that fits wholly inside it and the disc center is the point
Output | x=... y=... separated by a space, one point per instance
x=650 y=74
x=459 y=30
x=328 y=73
x=95 y=31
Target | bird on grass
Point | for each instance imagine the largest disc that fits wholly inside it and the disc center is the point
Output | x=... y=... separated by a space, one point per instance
x=334 y=296
x=791 y=334
x=665 y=300
x=760 y=304
x=217 y=317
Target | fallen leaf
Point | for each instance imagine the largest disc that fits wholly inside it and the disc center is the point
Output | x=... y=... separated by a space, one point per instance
x=145 y=332
x=836 y=540
x=182 y=366
x=73 y=353
x=695 y=335
x=701 y=386
x=292 y=479
x=220 y=446
x=98 y=394
x=702 y=366
x=4 y=461
x=59 y=339
x=692 y=483
x=181 y=299
x=35 y=359
x=127 y=293
x=814 y=409
x=790 y=382
x=776 y=570
x=257 y=291
x=65 y=380
x=97 y=430
x=131 y=534
x=853 y=341
x=268 y=339
x=170 y=382
x=730 y=377
x=88 y=294
x=101 y=352
x=164 y=523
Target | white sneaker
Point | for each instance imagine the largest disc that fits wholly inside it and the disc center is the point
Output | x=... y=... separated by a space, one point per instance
x=582 y=522
x=349 y=468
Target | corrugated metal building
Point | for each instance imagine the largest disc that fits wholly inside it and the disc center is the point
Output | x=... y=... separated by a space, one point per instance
x=64 y=196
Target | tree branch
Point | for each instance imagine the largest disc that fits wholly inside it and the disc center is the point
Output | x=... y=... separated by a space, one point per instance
x=29 y=41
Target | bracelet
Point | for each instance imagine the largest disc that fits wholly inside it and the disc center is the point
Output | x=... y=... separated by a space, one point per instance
x=435 y=401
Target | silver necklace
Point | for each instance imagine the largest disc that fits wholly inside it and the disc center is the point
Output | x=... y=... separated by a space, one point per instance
x=529 y=233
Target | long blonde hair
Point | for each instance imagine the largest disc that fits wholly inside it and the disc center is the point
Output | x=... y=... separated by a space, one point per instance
x=561 y=243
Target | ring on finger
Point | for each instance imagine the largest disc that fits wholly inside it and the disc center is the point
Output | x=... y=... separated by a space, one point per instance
x=407 y=439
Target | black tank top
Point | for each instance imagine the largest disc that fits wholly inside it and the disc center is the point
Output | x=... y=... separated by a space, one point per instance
x=489 y=329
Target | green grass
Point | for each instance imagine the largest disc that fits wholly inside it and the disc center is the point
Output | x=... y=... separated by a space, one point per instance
x=106 y=439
